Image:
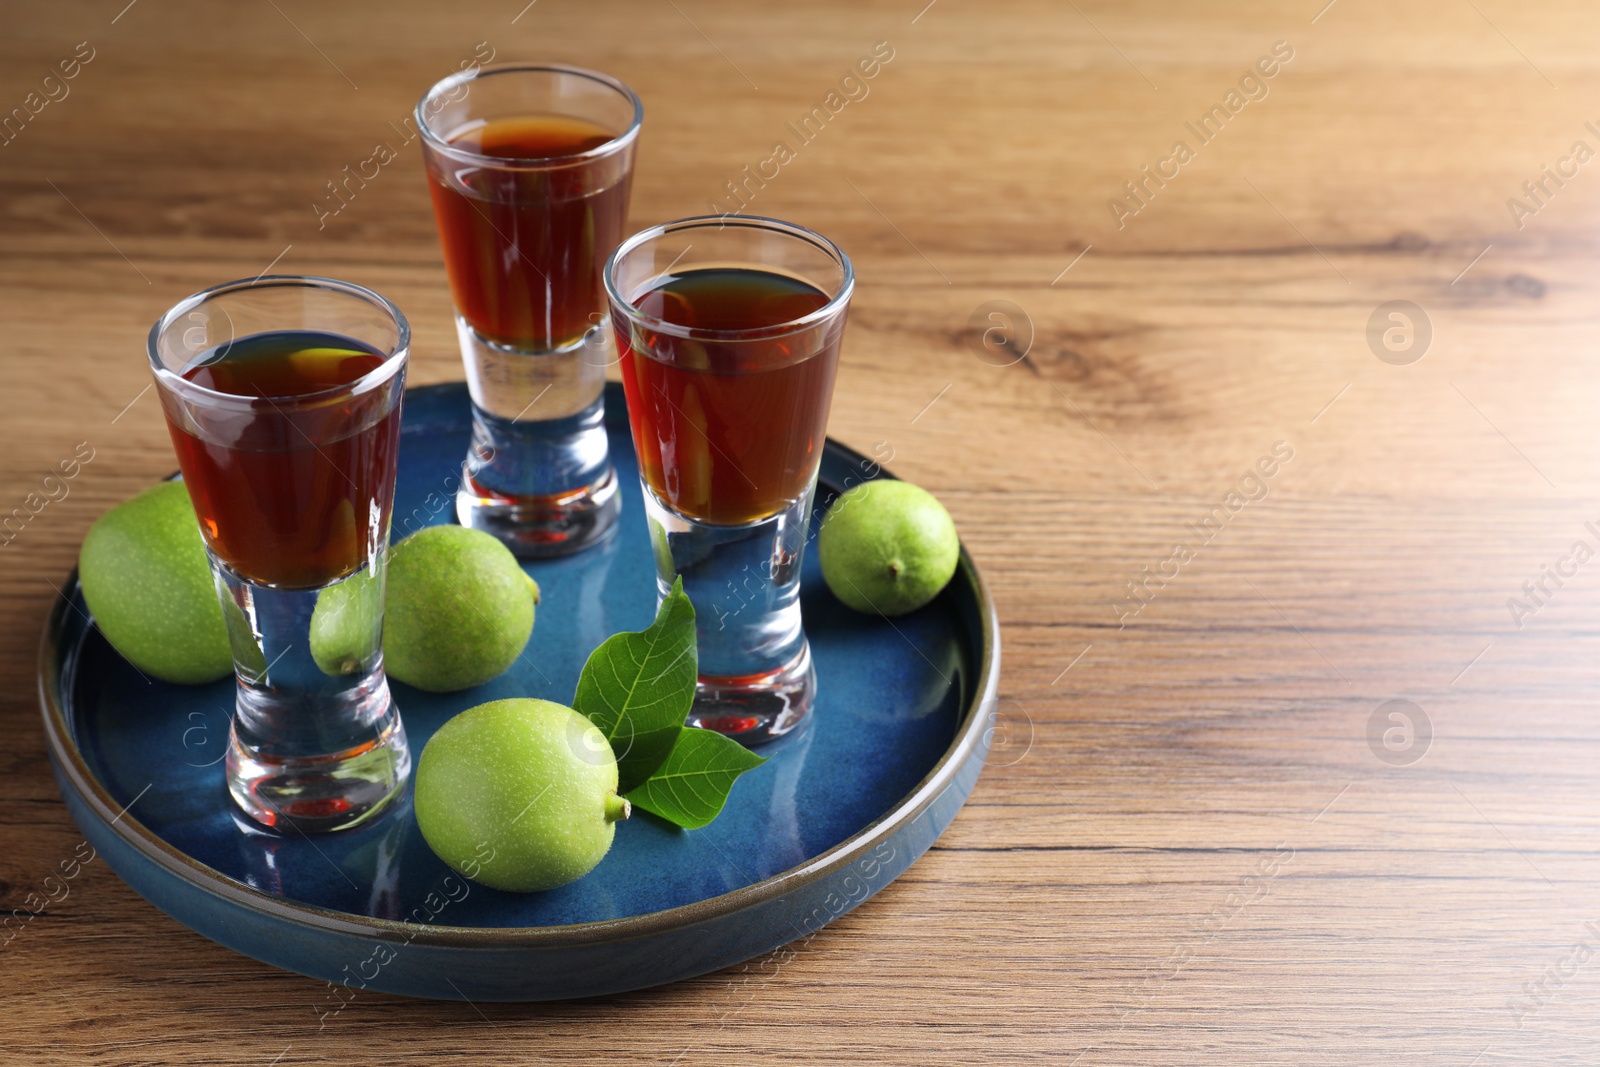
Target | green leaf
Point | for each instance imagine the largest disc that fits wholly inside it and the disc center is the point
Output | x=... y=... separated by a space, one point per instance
x=691 y=787
x=638 y=688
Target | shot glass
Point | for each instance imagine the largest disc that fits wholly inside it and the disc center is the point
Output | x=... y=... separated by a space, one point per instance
x=728 y=331
x=530 y=169
x=283 y=398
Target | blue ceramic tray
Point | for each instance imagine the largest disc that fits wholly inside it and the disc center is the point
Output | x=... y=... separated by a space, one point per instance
x=897 y=738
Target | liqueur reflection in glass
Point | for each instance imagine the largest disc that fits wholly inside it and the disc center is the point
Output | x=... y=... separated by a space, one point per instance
x=728 y=331
x=283 y=399
x=530 y=168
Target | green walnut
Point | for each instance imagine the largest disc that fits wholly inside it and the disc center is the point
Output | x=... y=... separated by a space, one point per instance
x=148 y=583
x=887 y=547
x=459 y=609
x=520 y=795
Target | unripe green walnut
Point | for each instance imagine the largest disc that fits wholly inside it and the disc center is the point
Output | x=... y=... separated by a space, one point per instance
x=148 y=584
x=887 y=547
x=519 y=794
x=459 y=609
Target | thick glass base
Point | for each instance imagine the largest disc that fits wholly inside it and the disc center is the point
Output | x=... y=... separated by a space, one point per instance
x=314 y=794
x=539 y=527
x=538 y=475
x=756 y=708
x=316 y=743
x=756 y=678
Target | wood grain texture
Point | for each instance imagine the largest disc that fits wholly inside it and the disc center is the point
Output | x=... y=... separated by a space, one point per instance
x=1184 y=850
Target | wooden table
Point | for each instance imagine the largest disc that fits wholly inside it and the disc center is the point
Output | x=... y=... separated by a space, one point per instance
x=1202 y=838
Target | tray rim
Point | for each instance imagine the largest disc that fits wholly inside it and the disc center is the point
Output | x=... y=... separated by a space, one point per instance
x=121 y=821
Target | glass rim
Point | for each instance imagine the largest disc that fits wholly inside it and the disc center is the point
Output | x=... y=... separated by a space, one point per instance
x=393 y=360
x=756 y=222
x=437 y=142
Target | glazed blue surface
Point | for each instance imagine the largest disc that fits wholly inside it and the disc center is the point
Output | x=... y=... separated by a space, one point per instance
x=891 y=697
